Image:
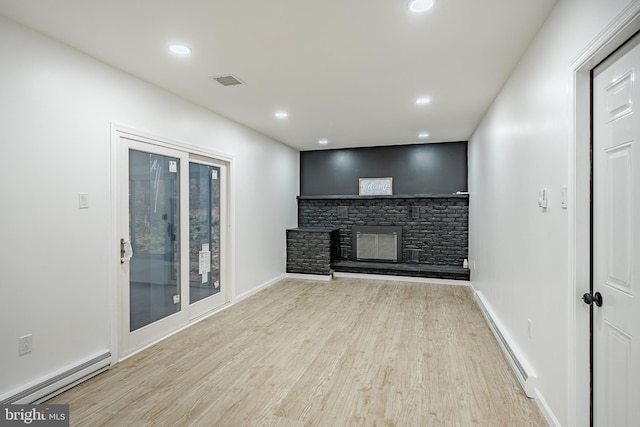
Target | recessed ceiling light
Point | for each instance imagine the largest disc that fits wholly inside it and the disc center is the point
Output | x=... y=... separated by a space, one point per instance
x=419 y=6
x=423 y=100
x=323 y=141
x=282 y=114
x=423 y=135
x=180 y=49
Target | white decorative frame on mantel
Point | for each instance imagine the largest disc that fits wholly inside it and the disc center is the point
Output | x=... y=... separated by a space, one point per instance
x=375 y=186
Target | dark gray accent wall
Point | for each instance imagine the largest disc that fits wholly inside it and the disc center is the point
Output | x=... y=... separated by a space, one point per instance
x=416 y=169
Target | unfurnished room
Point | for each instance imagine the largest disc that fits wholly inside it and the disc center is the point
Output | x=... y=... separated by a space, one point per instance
x=330 y=213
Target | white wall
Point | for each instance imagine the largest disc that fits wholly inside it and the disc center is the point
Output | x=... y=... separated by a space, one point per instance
x=56 y=107
x=519 y=253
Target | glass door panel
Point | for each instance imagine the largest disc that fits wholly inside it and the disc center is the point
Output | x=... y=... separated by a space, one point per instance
x=204 y=231
x=154 y=219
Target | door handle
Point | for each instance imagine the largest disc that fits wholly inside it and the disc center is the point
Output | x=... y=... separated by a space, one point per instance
x=126 y=251
x=589 y=298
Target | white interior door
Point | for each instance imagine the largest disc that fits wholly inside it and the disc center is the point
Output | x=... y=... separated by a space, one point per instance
x=172 y=222
x=616 y=238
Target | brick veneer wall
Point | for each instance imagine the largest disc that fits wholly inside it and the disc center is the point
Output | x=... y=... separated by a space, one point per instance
x=311 y=251
x=437 y=235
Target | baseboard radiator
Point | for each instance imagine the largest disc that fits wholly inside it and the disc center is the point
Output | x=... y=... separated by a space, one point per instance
x=523 y=372
x=60 y=381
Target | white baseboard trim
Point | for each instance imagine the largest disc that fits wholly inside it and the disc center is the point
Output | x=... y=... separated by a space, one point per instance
x=321 y=277
x=546 y=410
x=258 y=288
x=59 y=381
x=403 y=279
x=521 y=368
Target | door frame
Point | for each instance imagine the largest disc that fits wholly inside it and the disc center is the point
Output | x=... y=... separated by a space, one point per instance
x=621 y=29
x=228 y=262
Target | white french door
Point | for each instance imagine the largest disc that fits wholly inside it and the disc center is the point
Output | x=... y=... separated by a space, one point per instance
x=616 y=239
x=172 y=235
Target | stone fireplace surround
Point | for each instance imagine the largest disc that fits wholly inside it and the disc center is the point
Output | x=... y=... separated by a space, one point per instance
x=434 y=233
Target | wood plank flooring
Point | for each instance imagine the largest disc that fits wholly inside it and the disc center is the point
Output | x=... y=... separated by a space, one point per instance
x=348 y=352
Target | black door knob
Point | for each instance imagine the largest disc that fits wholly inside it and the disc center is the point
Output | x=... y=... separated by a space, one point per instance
x=589 y=298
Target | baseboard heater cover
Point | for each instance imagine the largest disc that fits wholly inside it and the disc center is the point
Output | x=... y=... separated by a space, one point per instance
x=520 y=367
x=62 y=381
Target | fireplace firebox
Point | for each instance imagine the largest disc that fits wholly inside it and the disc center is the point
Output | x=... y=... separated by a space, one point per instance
x=377 y=243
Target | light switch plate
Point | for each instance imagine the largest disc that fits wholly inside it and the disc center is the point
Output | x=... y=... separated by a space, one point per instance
x=564 y=195
x=83 y=200
x=542 y=197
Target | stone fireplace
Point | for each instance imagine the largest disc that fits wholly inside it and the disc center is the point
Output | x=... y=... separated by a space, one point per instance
x=431 y=233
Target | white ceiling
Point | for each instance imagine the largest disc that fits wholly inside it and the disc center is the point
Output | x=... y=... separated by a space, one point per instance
x=345 y=70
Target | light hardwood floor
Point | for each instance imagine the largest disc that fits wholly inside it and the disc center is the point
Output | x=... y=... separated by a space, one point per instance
x=349 y=352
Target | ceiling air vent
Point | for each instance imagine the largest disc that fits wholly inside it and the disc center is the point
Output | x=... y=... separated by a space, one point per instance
x=228 y=80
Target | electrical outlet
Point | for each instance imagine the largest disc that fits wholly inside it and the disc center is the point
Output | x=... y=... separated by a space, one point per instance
x=530 y=324
x=25 y=344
